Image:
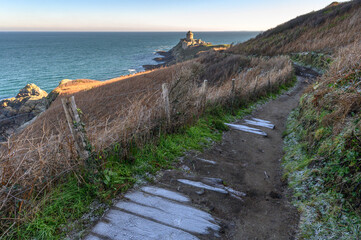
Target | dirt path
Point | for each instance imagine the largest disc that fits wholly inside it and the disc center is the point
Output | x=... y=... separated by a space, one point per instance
x=231 y=191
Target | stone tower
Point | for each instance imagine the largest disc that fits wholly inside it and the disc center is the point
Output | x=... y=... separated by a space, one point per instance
x=189 y=36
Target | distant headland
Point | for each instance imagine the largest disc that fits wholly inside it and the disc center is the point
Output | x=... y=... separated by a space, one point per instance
x=187 y=48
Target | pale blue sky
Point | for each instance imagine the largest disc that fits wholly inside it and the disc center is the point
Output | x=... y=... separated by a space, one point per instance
x=150 y=15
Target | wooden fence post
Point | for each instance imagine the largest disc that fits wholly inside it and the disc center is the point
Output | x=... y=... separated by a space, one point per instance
x=165 y=95
x=242 y=80
x=255 y=86
x=204 y=95
x=233 y=91
x=76 y=127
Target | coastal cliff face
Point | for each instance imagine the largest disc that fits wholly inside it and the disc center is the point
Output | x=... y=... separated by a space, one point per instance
x=14 y=112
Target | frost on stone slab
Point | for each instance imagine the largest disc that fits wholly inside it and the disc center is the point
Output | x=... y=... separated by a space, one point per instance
x=260 y=124
x=161 y=192
x=122 y=225
x=246 y=129
x=206 y=161
x=170 y=213
x=202 y=185
x=261 y=120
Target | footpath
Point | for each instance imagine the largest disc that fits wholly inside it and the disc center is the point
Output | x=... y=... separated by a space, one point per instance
x=233 y=190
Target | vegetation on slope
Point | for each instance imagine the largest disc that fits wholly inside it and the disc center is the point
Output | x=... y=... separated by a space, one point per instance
x=75 y=197
x=181 y=54
x=323 y=31
x=33 y=166
x=323 y=151
x=317 y=61
x=125 y=121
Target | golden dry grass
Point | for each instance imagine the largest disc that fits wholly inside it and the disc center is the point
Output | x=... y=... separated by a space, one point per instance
x=325 y=30
x=120 y=111
x=339 y=90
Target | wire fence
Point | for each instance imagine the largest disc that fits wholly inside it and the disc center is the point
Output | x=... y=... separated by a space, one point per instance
x=105 y=97
x=50 y=156
x=23 y=153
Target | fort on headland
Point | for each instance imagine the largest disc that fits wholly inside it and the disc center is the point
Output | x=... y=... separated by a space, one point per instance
x=189 y=41
x=187 y=48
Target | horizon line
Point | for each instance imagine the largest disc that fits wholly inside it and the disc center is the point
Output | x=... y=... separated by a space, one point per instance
x=129 y=31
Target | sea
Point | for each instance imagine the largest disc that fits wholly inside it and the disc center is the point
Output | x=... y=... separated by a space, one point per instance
x=45 y=58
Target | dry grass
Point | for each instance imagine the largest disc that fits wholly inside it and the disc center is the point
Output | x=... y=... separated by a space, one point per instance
x=325 y=30
x=261 y=76
x=128 y=110
x=339 y=89
x=326 y=161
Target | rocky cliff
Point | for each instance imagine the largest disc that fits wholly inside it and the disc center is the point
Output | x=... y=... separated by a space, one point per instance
x=14 y=112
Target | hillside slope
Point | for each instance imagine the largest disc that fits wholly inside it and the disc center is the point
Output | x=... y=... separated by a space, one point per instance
x=127 y=113
x=323 y=151
x=325 y=31
x=123 y=114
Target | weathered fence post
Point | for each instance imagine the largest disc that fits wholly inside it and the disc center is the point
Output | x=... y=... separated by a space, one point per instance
x=255 y=85
x=204 y=95
x=233 y=91
x=242 y=81
x=165 y=95
x=76 y=127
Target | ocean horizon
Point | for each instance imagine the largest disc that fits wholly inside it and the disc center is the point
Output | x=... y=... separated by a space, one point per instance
x=46 y=58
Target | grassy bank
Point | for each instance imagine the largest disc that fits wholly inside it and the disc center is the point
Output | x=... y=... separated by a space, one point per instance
x=317 y=61
x=71 y=206
x=326 y=213
x=324 y=30
x=323 y=152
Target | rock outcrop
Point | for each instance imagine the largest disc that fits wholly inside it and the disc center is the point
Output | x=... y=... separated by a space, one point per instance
x=14 y=112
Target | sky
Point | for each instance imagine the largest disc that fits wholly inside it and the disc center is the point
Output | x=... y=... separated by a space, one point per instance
x=151 y=15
